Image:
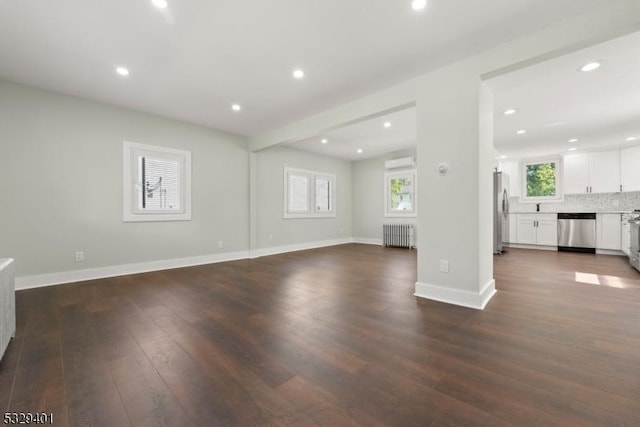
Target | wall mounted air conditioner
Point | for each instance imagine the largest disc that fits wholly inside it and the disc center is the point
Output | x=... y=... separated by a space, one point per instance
x=405 y=162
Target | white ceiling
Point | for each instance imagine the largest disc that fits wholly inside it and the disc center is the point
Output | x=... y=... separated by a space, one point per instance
x=196 y=58
x=369 y=135
x=556 y=102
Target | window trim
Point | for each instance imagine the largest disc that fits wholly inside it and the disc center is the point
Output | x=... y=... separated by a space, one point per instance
x=311 y=194
x=130 y=211
x=559 y=197
x=390 y=213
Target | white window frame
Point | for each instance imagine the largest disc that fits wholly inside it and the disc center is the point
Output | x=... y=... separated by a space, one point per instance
x=559 y=197
x=131 y=186
x=396 y=213
x=313 y=211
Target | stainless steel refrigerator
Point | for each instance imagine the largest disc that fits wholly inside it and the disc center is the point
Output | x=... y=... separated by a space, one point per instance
x=500 y=211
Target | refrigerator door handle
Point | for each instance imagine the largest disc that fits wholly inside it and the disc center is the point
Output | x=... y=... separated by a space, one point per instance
x=505 y=202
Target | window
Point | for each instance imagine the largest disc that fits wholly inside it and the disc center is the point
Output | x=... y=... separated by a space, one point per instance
x=541 y=180
x=156 y=184
x=308 y=194
x=400 y=193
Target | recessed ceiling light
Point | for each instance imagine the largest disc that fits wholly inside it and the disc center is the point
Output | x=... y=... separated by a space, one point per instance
x=521 y=132
x=573 y=140
x=503 y=157
x=572 y=149
x=509 y=112
x=236 y=107
x=359 y=151
x=160 y=4
x=631 y=138
x=122 y=71
x=418 y=4
x=590 y=66
x=387 y=124
x=324 y=141
x=298 y=74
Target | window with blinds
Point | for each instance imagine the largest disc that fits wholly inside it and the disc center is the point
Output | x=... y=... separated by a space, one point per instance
x=160 y=184
x=308 y=194
x=157 y=183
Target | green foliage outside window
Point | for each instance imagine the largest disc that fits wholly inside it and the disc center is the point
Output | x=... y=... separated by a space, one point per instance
x=401 y=192
x=541 y=180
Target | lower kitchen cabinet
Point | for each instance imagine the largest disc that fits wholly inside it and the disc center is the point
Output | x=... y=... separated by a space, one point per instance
x=512 y=237
x=609 y=231
x=537 y=229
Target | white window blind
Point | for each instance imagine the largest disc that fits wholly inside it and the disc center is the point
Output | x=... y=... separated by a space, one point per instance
x=160 y=184
x=308 y=194
x=323 y=194
x=298 y=193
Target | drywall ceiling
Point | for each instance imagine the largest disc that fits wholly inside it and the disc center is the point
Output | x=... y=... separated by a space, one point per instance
x=195 y=58
x=371 y=136
x=556 y=102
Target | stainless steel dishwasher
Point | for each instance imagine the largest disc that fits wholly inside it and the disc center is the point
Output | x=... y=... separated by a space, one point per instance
x=577 y=232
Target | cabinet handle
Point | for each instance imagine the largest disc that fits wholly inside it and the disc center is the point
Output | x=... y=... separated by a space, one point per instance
x=621 y=188
x=587 y=188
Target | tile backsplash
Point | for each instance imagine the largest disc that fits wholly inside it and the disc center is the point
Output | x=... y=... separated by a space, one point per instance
x=583 y=203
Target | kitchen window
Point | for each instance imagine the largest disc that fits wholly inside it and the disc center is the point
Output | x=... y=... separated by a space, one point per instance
x=308 y=194
x=400 y=194
x=541 y=180
x=156 y=183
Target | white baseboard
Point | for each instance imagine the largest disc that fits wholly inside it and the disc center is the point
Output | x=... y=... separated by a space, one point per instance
x=610 y=252
x=40 y=280
x=275 y=250
x=367 y=241
x=456 y=296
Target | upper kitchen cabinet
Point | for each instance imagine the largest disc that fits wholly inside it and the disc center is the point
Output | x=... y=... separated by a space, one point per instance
x=512 y=170
x=630 y=168
x=597 y=172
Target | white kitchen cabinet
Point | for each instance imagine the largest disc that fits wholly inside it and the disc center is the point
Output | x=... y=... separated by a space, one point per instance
x=604 y=171
x=576 y=173
x=513 y=228
x=609 y=231
x=512 y=169
x=630 y=169
x=537 y=229
x=596 y=172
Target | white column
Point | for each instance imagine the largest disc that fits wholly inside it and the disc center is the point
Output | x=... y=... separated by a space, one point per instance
x=455 y=126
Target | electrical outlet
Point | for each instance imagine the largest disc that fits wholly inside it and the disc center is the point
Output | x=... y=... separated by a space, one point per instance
x=270 y=236
x=444 y=266
x=79 y=256
x=220 y=244
x=341 y=230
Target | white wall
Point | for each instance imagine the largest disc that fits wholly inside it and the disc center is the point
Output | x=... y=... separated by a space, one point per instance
x=61 y=185
x=269 y=199
x=368 y=197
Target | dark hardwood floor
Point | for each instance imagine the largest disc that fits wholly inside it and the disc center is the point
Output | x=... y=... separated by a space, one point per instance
x=332 y=337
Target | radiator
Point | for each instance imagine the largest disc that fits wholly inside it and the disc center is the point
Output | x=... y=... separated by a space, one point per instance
x=398 y=235
x=7 y=304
